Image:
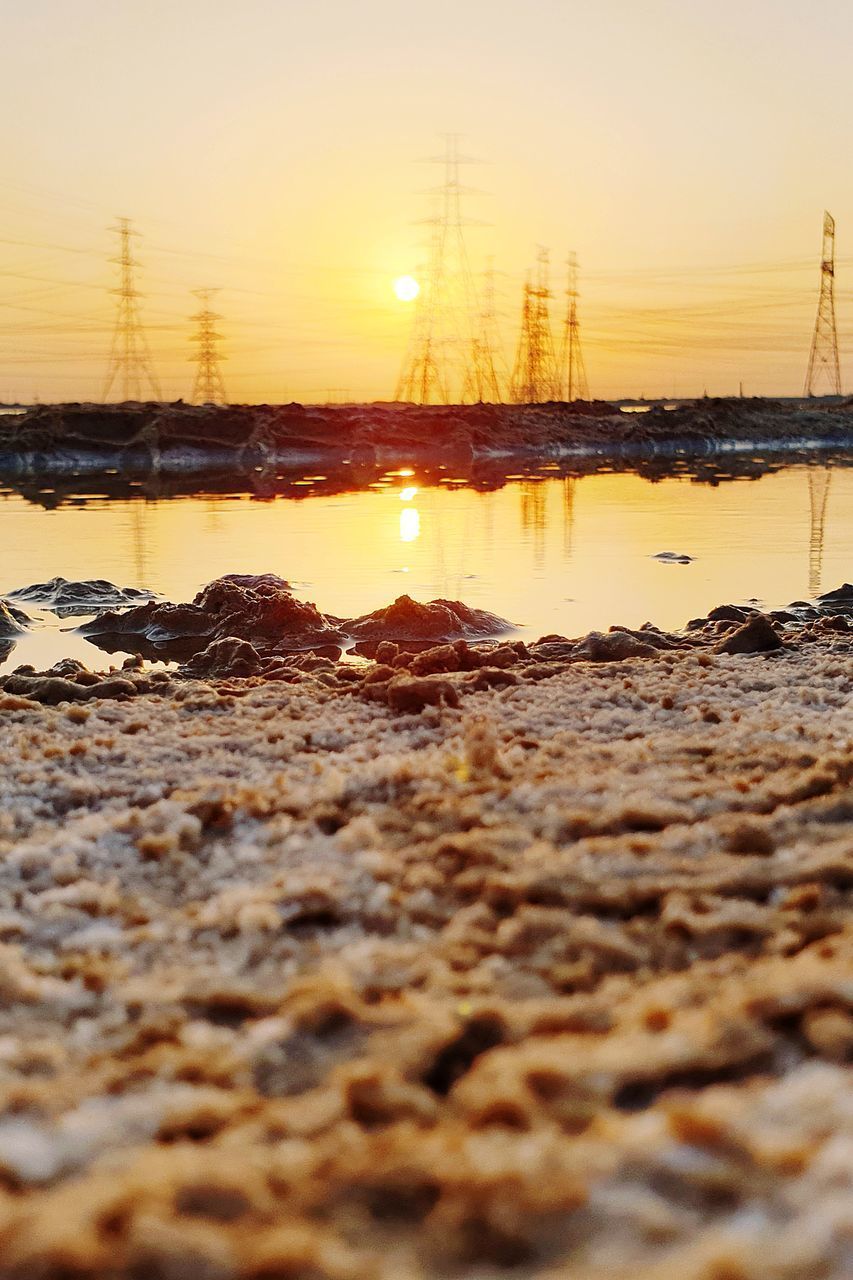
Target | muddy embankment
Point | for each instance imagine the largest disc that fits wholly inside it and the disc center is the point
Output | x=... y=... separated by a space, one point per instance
x=144 y=439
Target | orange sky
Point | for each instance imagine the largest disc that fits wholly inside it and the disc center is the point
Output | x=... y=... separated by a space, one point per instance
x=685 y=151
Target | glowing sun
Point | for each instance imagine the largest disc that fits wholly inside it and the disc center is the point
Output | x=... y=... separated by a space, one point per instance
x=406 y=288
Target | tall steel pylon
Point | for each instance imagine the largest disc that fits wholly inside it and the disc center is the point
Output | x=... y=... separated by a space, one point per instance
x=482 y=379
x=130 y=358
x=823 y=358
x=209 y=387
x=572 y=370
x=441 y=348
x=534 y=375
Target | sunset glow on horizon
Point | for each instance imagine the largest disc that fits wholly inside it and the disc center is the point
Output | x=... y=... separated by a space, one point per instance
x=663 y=143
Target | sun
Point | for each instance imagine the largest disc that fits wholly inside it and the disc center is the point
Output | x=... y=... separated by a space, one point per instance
x=406 y=288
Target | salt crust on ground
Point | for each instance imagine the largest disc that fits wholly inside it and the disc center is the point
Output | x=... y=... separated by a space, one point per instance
x=554 y=983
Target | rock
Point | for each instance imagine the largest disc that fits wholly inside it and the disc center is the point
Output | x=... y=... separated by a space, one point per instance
x=257 y=581
x=154 y=630
x=553 y=649
x=458 y=656
x=649 y=635
x=94 y=595
x=226 y=657
x=51 y=689
x=407 y=619
x=10 y=626
x=616 y=646
x=729 y=613
x=68 y=668
x=263 y=608
x=783 y=615
x=405 y=694
x=70 y=681
x=493 y=678
x=672 y=557
x=755 y=636
x=723 y=613
x=838 y=601
x=380 y=674
x=260 y=610
x=442 y=658
x=841 y=594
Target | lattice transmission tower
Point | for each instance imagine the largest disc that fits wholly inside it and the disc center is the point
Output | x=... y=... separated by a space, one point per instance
x=823 y=358
x=130 y=359
x=484 y=374
x=209 y=387
x=534 y=377
x=441 y=353
x=572 y=369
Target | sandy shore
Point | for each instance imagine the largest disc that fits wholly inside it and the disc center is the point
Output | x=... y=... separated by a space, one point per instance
x=551 y=978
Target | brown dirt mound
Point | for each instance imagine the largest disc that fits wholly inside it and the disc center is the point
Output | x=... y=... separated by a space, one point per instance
x=263 y=612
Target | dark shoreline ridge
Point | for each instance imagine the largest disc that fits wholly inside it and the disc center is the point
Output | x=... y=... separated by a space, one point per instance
x=141 y=438
x=61 y=479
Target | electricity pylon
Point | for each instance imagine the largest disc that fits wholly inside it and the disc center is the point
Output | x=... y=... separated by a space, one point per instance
x=130 y=358
x=534 y=377
x=441 y=348
x=823 y=358
x=208 y=387
x=571 y=353
x=482 y=379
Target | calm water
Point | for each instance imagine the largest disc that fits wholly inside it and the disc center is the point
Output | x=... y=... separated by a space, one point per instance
x=550 y=552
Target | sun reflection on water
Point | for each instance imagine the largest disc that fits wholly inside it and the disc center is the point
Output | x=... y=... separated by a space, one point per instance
x=410 y=524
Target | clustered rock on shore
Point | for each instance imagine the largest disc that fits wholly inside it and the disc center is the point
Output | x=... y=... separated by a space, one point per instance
x=476 y=960
x=244 y=626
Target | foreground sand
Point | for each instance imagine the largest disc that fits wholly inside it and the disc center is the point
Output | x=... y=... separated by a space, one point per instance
x=556 y=981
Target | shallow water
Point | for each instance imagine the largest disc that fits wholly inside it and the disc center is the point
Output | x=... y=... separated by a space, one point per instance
x=551 y=552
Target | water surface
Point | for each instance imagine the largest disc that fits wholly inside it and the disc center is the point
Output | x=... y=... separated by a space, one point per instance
x=550 y=551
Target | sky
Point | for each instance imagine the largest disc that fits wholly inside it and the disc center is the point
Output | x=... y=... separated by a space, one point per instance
x=273 y=149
